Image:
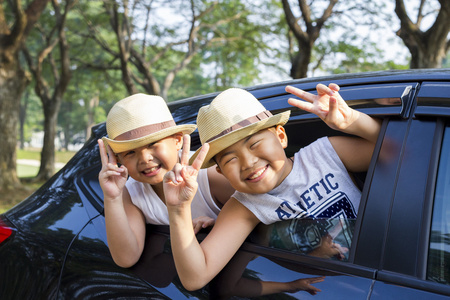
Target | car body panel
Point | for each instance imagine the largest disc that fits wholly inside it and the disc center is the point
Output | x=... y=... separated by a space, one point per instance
x=58 y=247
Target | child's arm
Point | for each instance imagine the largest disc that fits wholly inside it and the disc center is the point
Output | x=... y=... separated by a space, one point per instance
x=255 y=288
x=197 y=264
x=334 y=111
x=125 y=224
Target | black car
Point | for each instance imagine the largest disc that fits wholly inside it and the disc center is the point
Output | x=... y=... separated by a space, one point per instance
x=53 y=244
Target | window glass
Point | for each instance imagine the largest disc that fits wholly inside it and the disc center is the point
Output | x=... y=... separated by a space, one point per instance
x=322 y=237
x=439 y=251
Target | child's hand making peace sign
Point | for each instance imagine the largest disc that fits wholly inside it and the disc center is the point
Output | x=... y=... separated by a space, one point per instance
x=112 y=178
x=180 y=184
x=327 y=105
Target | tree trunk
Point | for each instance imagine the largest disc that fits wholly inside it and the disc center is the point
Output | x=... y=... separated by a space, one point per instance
x=91 y=105
x=429 y=48
x=47 y=167
x=22 y=118
x=121 y=28
x=300 y=62
x=51 y=101
x=12 y=84
x=305 y=38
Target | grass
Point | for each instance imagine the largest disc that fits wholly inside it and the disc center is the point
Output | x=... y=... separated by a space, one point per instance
x=8 y=200
x=60 y=156
x=24 y=171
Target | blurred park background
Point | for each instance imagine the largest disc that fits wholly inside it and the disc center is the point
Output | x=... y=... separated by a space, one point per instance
x=64 y=63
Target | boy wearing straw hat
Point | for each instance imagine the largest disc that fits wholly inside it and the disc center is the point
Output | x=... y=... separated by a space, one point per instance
x=247 y=142
x=144 y=139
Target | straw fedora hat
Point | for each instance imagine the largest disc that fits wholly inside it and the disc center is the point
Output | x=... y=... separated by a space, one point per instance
x=139 y=120
x=233 y=115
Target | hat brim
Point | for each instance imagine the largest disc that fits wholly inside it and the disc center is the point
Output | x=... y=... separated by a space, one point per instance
x=235 y=136
x=122 y=146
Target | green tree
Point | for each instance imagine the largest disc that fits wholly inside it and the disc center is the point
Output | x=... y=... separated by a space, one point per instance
x=52 y=83
x=96 y=83
x=15 y=26
x=428 y=47
x=152 y=50
x=305 y=30
x=232 y=57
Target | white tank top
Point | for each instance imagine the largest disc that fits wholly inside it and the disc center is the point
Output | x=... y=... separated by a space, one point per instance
x=155 y=211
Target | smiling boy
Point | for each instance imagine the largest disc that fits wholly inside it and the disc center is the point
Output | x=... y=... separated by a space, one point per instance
x=247 y=142
x=144 y=139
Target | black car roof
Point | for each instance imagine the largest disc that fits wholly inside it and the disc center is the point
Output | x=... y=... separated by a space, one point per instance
x=187 y=109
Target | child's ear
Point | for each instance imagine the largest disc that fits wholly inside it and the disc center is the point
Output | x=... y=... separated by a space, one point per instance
x=218 y=170
x=282 y=136
x=178 y=140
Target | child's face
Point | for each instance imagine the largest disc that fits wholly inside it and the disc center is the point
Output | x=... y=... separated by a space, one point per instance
x=151 y=162
x=256 y=164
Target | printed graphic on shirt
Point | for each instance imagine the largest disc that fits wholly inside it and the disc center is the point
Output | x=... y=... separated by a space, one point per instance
x=321 y=200
x=306 y=235
x=334 y=219
x=322 y=213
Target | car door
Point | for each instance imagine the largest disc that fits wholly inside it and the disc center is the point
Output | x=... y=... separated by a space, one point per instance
x=416 y=249
x=261 y=261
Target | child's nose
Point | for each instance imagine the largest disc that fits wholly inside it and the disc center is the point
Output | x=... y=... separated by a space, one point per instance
x=248 y=160
x=146 y=155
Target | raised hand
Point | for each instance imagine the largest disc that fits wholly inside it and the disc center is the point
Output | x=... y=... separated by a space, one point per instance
x=328 y=249
x=112 y=178
x=327 y=105
x=305 y=284
x=180 y=184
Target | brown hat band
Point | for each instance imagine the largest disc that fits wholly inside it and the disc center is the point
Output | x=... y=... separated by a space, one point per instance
x=250 y=120
x=144 y=131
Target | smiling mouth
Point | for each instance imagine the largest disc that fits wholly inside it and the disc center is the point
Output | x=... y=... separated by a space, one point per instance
x=151 y=171
x=255 y=176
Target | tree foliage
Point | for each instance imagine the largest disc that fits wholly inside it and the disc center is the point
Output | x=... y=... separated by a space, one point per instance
x=79 y=62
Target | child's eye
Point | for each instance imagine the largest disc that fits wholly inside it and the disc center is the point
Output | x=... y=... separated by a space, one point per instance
x=129 y=153
x=151 y=145
x=229 y=160
x=255 y=144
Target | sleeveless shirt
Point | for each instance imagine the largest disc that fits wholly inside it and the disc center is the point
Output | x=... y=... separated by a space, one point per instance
x=317 y=187
x=154 y=209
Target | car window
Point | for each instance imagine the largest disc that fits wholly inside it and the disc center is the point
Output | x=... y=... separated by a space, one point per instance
x=439 y=248
x=330 y=234
x=322 y=237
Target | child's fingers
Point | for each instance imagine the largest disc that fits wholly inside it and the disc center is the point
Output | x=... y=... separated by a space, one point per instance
x=334 y=87
x=111 y=156
x=186 y=149
x=317 y=279
x=177 y=172
x=198 y=161
x=301 y=104
x=102 y=150
x=323 y=88
x=300 y=93
x=197 y=227
x=333 y=111
x=208 y=223
x=170 y=177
